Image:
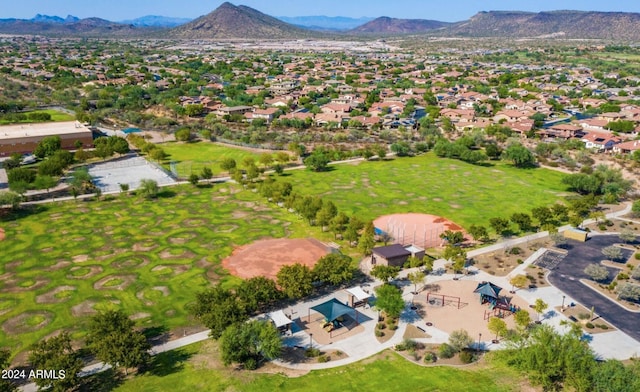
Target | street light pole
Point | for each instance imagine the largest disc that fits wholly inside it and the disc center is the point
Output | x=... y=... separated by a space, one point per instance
x=479 y=338
x=310 y=341
x=563 y=303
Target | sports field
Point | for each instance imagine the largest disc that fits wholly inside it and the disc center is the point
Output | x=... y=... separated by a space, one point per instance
x=192 y=157
x=62 y=262
x=195 y=368
x=55 y=116
x=464 y=193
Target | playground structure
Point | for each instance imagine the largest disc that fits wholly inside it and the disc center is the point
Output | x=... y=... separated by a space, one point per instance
x=499 y=306
x=436 y=299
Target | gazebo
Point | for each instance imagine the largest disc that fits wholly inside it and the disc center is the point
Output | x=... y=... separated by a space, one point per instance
x=358 y=297
x=280 y=320
x=333 y=310
x=490 y=293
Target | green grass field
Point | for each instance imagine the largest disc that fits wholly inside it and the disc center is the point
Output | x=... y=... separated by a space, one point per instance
x=192 y=157
x=56 y=116
x=193 y=369
x=467 y=194
x=63 y=261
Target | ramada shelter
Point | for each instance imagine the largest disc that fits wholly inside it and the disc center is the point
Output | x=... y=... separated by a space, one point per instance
x=395 y=255
x=23 y=138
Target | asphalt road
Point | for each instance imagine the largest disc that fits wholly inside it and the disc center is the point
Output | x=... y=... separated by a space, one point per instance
x=566 y=276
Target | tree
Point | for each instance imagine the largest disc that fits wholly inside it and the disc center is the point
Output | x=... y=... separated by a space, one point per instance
x=12 y=199
x=45 y=182
x=500 y=225
x=266 y=159
x=124 y=188
x=416 y=278
x=389 y=300
x=367 y=239
x=158 y=154
x=14 y=161
x=47 y=146
x=148 y=188
x=217 y=308
x=498 y=326
x=540 y=306
x=597 y=272
x=250 y=343
x=479 y=233
x=558 y=239
x=635 y=208
x=460 y=340
x=21 y=174
x=333 y=269
x=457 y=256
x=452 y=237
x=612 y=375
x=544 y=215
x=112 y=339
x=295 y=280
x=519 y=281
x=325 y=215
x=339 y=223
x=522 y=319
x=385 y=272
x=252 y=172
x=257 y=293
x=317 y=161
x=6 y=385
x=354 y=226
x=627 y=236
x=228 y=164
x=381 y=151
x=57 y=354
x=194 y=179
x=519 y=155
x=522 y=220
x=183 y=135
x=612 y=253
x=206 y=173
x=629 y=292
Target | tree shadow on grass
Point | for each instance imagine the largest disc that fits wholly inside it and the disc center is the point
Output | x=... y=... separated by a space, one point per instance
x=7 y=215
x=166 y=193
x=157 y=334
x=167 y=363
x=102 y=382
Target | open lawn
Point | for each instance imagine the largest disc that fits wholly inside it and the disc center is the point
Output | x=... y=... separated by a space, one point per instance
x=385 y=372
x=55 y=116
x=61 y=262
x=192 y=157
x=464 y=193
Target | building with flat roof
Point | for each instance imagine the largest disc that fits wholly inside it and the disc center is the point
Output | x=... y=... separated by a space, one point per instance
x=23 y=138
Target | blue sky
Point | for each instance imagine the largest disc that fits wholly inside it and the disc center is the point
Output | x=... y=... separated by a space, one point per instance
x=423 y=9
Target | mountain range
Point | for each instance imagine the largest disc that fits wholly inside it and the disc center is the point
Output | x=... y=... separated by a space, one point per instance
x=229 y=21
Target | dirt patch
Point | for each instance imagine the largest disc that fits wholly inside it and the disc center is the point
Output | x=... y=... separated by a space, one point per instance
x=27 y=322
x=143 y=247
x=107 y=283
x=412 y=332
x=59 y=265
x=163 y=289
x=166 y=254
x=93 y=270
x=176 y=269
x=2 y=234
x=239 y=214
x=51 y=298
x=12 y=285
x=266 y=257
x=502 y=262
x=80 y=258
x=419 y=229
x=84 y=308
x=139 y=315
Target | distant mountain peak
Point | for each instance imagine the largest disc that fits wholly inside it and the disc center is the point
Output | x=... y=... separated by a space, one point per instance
x=387 y=25
x=230 y=21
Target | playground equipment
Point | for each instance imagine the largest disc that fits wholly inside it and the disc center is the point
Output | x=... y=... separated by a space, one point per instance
x=436 y=299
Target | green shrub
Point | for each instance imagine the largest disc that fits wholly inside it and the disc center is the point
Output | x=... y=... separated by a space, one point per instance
x=312 y=353
x=589 y=325
x=379 y=333
x=602 y=227
x=515 y=251
x=408 y=344
x=339 y=353
x=583 y=316
x=466 y=356
x=622 y=276
x=393 y=327
x=519 y=261
x=446 y=351
x=251 y=364
x=381 y=326
x=602 y=326
x=637 y=256
x=323 y=359
x=430 y=357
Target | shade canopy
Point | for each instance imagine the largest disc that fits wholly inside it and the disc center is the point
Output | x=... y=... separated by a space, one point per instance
x=279 y=319
x=488 y=289
x=332 y=309
x=358 y=293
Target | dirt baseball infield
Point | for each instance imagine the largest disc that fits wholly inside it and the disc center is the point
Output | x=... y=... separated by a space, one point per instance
x=266 y=257
x=419 y=229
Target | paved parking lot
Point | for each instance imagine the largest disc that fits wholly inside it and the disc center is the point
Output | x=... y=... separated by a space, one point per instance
x=567 y=274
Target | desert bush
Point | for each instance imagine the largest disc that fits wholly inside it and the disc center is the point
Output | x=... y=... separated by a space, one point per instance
x=379 y=333
x=446 y=351
x=312 y=353
x=430 y=357
x=466 y=356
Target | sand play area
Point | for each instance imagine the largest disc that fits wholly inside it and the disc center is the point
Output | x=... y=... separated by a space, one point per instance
x=470 y=316
x=419 y=229
x=266 y=257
